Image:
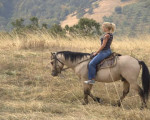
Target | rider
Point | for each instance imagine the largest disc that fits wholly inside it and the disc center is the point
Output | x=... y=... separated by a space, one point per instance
x=103 y=52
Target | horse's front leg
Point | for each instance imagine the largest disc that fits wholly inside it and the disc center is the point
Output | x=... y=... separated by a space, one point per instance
x=87 y=92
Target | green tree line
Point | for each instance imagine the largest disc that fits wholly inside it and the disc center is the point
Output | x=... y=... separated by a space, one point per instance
x=85 y=27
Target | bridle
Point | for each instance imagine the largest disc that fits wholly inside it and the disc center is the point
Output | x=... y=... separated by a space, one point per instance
x=56 y=59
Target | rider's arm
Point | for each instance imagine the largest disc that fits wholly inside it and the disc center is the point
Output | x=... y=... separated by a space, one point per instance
x=106 y=37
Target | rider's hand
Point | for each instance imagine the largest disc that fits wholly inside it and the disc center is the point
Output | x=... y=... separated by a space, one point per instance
x=94 y=54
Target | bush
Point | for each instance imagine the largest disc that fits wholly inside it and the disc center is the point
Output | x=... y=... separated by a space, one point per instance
x=57 y=30
x=86 y=27
x=118 y=10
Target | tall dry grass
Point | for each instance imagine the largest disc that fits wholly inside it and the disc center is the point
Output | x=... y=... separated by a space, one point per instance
x=45 y=40
x=29 y=92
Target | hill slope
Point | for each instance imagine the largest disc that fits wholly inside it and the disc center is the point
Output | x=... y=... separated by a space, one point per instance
x=49 y=11
x=105 y=8
x=131 y=16
x=134 y=19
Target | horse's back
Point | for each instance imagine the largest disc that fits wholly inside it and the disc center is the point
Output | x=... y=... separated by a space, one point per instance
x=126 y=66
x=126 y=62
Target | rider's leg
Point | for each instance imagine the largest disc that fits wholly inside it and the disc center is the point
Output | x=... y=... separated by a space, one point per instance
x=92 y=65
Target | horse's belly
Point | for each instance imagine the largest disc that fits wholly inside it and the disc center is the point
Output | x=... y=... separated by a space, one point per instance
x=108 y=75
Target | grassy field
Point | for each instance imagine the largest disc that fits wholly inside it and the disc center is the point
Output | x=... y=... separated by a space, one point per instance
x=29 y=92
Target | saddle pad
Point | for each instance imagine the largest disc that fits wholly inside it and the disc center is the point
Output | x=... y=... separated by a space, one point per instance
x=108 y=62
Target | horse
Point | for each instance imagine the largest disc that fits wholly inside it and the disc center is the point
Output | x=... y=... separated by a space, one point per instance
x=126 y=69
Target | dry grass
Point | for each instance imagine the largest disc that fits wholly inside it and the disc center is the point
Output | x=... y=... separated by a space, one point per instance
x=29 y=92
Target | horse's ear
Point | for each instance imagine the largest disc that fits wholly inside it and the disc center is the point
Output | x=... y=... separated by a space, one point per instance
x=52 y=53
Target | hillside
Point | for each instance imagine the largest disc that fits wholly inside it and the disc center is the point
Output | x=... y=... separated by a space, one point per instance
x=48 y=11
x=55 y=11
x=132 y=17
x=105 y=8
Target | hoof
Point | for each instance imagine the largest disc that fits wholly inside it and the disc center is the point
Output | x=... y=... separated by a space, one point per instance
x=84 y=103
x=98 y=100
x=143 y=107
x=119 y=104
x=116 y=105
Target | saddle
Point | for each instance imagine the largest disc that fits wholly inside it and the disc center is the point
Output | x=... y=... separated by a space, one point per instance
x=108 y=62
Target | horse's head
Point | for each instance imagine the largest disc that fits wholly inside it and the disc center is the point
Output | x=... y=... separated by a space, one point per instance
x=56 y=64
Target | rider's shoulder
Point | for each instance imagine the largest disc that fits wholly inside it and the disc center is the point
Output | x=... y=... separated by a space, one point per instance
x=107 y=35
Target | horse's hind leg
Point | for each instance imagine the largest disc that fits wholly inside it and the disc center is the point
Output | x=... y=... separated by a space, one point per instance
x=126 y=87
x=140 y=92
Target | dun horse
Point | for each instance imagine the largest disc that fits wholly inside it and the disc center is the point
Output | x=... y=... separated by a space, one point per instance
x=127 y=69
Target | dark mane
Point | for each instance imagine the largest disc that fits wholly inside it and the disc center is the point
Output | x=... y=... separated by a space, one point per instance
x=73 y=56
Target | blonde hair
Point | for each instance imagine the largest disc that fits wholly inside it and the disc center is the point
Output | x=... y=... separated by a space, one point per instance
x=109 y=26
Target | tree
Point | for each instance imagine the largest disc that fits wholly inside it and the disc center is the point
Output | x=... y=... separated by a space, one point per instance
x=57 y=30
x=44 y=25
x=85 y=27
x=89 y=26
x=67 y=27
x=18 y=24
x=34 y=22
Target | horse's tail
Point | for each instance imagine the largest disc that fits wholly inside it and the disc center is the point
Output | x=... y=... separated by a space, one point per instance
x=145 y=79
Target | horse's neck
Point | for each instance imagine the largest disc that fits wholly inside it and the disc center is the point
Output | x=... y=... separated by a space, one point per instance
x=72 y=64
x=78 y=62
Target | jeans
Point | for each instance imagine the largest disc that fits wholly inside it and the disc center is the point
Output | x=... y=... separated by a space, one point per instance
x=97 y=59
